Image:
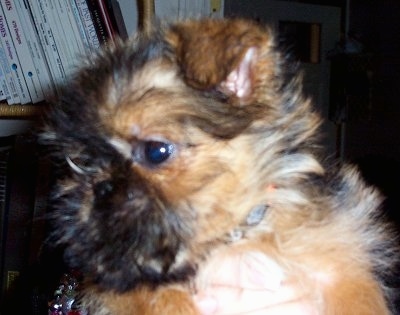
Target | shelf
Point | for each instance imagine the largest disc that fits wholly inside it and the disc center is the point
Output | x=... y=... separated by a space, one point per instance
x=20 y=111
x=18 y=119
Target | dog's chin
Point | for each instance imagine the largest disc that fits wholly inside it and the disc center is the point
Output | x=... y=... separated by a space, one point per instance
x=121 y=268
x=130 y=275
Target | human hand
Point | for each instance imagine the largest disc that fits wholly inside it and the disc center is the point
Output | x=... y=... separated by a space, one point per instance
x=250 y=283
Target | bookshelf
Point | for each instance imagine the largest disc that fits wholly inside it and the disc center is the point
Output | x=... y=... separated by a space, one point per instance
x=40 y=43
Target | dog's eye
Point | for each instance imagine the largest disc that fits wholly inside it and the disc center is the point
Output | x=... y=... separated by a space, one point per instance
x=157 y=152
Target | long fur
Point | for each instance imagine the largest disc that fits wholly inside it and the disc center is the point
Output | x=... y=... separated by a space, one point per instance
x=145 y=235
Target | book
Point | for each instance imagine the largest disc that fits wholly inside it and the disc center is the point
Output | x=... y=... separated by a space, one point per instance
x=5 y=149
x=106 y=18
x=66 y=34
x=47 y=40
x=35 y=48
x=4 y=90
x=78 y=41
x=88 y=24
x=12 y=59
x=117 y=18
x=99 y=22
x=22 y=50
x=56 y=28
x=80 y=24
x=12 y=97
x=20 y=189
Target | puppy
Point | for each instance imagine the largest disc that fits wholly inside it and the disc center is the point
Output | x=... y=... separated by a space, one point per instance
x=177 y=146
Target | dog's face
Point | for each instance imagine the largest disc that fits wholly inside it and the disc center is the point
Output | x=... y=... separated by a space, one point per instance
x=168 y=143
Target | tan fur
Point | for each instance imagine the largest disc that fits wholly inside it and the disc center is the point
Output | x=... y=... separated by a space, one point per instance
x=323 y=238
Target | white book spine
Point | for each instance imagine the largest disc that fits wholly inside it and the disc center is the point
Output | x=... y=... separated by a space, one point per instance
x=55 y=27
x=14 y=63
x=3 y=86
x=60 y=34
x=80 y=25
x=77 y=41
x=90 y=29
x=5 y=90
x=13 y=97
x=35 y=48
x=24 y=53
x=44 y=42
x=46 y=38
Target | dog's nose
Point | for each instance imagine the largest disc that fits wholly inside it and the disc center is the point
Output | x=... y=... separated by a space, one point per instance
x=103 y=188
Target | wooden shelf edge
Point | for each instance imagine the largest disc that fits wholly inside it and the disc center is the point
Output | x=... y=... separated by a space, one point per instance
x=20 y=111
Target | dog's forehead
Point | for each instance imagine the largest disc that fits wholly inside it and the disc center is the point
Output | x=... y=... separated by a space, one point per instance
x=153 y=89
x=156 y=74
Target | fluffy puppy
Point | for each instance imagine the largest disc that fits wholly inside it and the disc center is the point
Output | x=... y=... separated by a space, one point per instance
x=177 y=146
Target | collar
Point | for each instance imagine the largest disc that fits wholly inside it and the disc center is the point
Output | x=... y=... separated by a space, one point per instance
x=254 y=217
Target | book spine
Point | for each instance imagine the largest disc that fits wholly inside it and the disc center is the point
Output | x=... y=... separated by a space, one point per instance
x=117 y=18
x=13 y=62
x=105 y=15
x=47 y=40
x=4 y=89
x=86 y=18
x=42 y=186
x=19 y=212
x=98 y=22
x=22 y=51
x=6 y=146
x=79 y=45
x=13 y=97
x=56 y=28
x=36 y=49
x=29 y=49
x=79 y=23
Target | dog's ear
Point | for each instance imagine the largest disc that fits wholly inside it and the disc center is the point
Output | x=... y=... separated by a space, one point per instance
x=232 y=56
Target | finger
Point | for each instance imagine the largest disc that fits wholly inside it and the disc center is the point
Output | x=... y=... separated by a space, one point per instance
x=221 y=300
x=249 y=270
x=207 y=305
x=293 y=308
x=258 y=271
